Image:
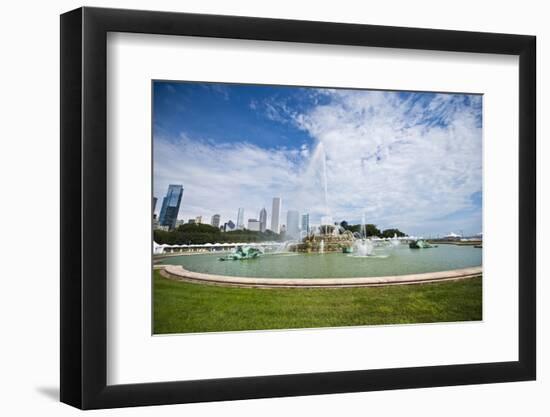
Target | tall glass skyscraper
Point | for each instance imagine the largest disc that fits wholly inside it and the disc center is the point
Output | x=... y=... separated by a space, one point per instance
x=240 y=218
x=293 y=223
x=171 y=206
x=305 y=223
x=263 y=220
x=275 y=213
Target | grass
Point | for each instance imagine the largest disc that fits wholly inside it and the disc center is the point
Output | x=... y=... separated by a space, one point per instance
x=181 y=307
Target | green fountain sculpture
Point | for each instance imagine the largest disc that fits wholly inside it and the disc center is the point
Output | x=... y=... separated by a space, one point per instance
x=420 y=244
x=243 y=253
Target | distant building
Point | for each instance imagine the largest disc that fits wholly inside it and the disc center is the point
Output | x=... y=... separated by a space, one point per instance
x=154 y=205
x=198 y=219
x=215 y=220
x=275 y=214
x=253 y=225
x=171 y=206
x=240 y=218
x=305 y=223
x=179 y=223
x=263 y=220
x=293 y=223
x=229 y=226
x=191 y=221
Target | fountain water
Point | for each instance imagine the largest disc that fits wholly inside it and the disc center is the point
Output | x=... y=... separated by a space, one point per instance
x=321 y=155
x=284 y=247
x=394 y=240
x=363 y=246
x=329 y=237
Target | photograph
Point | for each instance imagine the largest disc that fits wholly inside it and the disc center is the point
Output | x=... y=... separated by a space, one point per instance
x=286 y=207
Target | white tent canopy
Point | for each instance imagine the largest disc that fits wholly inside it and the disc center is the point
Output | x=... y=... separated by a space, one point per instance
x=157 y=249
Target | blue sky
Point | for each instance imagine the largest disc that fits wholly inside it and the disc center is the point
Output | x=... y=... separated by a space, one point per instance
x=406 y=160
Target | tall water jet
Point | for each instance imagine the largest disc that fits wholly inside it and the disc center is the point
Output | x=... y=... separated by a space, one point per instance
x=318 y=170
x=325 y=182
x=363 y=246
x=327 y=237
x=394 y=240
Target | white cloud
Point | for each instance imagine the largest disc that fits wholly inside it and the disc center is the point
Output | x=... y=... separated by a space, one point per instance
x=221 y=177
x=386 y=157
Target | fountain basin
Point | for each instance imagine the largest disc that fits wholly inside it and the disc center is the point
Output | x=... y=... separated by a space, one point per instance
x=386 y=261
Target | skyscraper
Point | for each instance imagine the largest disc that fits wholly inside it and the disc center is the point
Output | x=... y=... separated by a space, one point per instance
x=275 y=213
x=215 y=220
x=293 y=223
x=263 y=220
x=240 y=218
x=171 y=206
x=305 y=223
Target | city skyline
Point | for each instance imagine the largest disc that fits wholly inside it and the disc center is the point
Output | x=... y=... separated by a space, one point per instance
x=300 y=223
x=408 y=160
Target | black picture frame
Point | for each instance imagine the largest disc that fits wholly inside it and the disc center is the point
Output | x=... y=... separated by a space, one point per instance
x=84 y=207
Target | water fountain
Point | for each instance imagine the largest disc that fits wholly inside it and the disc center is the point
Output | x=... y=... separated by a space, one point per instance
x=330 y=237
x=363 y=246
x=323 y=239
x=395 y=240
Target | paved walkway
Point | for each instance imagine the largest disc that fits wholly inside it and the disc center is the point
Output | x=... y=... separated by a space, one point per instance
x=177 y=272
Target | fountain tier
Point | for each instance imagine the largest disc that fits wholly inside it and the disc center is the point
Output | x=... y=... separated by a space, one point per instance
x=327 y=238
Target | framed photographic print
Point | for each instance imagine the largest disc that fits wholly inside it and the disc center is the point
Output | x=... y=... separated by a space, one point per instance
x=257 y=208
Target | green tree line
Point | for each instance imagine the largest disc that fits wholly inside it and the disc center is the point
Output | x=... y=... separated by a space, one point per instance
x=372 y=230
x=199 y=234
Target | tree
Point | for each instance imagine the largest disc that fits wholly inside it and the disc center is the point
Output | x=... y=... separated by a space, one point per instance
x=200 y=234
x=372 y=230
x=392 y=233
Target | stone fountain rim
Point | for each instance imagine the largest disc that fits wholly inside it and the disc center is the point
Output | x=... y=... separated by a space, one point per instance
x=178 y=273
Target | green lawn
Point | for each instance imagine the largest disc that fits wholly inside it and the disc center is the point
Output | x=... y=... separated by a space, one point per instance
x=181 y=307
